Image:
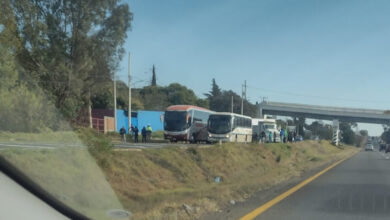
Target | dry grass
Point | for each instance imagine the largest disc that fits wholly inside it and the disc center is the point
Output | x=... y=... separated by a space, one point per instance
x=154 y=184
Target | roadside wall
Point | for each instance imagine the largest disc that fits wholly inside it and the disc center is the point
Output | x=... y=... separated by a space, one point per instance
x=154 y=118
x=122 y=120
x=140 y=119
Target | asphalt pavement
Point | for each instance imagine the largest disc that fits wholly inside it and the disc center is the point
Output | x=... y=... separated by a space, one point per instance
x=358 y=188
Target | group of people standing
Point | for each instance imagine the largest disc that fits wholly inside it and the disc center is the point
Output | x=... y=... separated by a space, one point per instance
x=270 y=137
x=146 y=133
x=285 y=136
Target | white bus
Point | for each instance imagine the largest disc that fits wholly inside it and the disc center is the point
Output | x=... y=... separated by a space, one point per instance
x=186 y=123
x=229 y=127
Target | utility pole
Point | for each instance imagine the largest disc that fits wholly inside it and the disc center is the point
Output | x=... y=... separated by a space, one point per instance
x=245 y=89
x=90 y=109
x=129 y=76
x=115 y=128
x=232 y=104
x=243 y=96
x=242 y=99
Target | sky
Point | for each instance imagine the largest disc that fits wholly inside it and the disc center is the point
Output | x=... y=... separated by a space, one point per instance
x=331 y=52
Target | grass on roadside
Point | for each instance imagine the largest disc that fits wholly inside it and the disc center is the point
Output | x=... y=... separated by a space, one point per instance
x=152 y=181
x=155 y=183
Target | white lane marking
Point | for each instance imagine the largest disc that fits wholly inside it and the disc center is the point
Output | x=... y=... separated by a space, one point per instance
x=4 y=146
x=43 y=146
x=129 y=147
x=53 y=145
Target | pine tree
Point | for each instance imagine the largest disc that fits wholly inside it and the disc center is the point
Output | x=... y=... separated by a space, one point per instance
x=215 y=90
x=154 y=80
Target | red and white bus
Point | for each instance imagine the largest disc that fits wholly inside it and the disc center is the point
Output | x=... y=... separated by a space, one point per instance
x=186 y=123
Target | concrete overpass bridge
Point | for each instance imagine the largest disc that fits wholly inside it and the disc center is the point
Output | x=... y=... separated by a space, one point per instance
x=325 y=112
x=335 y=114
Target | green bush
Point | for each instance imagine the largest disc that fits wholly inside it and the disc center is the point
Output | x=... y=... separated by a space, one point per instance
x=96 y=143
x=23 y=108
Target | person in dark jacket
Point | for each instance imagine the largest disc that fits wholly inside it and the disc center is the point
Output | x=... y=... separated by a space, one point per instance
x=131 y=131
x=122 y=132
x=262 y=137
x=136 y=134
x=143 y=132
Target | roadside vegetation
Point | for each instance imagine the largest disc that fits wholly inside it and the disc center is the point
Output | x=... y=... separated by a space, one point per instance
x=172 y=182
x=181 y=182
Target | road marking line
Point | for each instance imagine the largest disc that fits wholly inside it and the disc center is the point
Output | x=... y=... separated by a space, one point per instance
x=25 y=146
x=258 y=211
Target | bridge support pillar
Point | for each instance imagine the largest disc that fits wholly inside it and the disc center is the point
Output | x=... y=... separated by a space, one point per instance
x=336 y=132
x=260 y=111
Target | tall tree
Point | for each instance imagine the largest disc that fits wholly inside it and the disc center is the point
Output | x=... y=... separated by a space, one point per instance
x=220 y=101
x=215 y=90
x=363 y=133
x=154 y=80
x=323 y=131
x=386 y=136
x=348 y=136
x=71 y=47
x=8 y=28
x=22 y=108
x=214 y=97
x=300 y=123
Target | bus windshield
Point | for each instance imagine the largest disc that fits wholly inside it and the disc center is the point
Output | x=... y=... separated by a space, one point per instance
x=219 y=124
x=175 y=121
x=269 y=126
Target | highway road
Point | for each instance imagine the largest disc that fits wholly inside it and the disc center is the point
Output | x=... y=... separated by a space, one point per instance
x=358 y=188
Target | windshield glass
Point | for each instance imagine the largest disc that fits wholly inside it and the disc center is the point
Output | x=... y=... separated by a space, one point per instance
x=219 y=124
x=269 y=126
x=105 y=105
x=175 y=121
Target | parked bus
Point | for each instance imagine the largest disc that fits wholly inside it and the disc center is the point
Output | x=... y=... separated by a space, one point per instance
x=186 y=123
x=229 y=127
